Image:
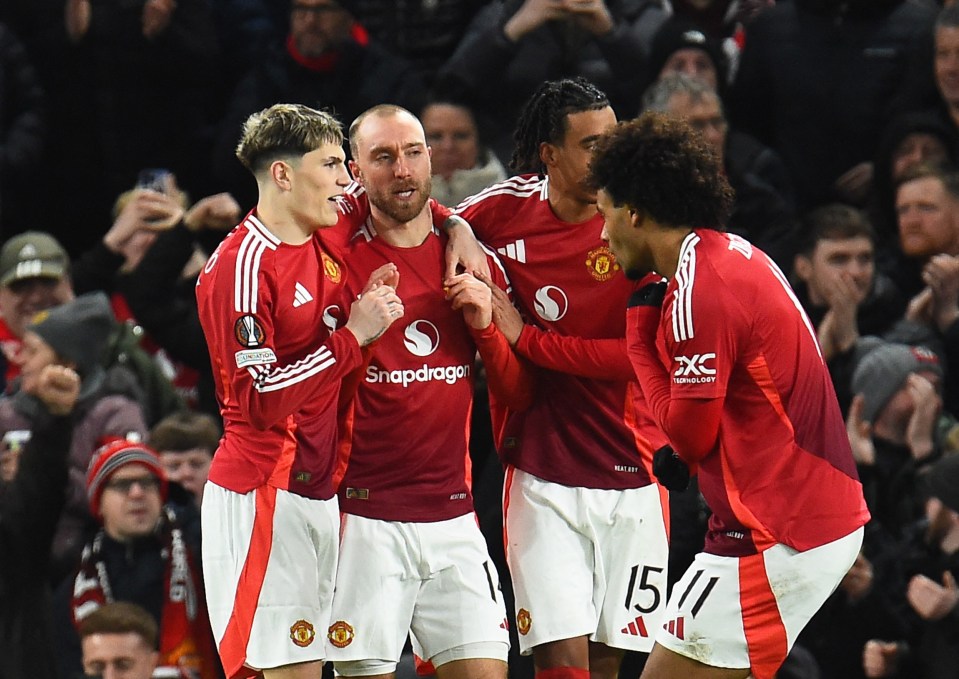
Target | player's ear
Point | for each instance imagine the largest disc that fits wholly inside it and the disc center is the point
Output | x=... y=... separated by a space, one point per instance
x=547 y=153
x=636 y=216
x=281 y=173
x=355 y=171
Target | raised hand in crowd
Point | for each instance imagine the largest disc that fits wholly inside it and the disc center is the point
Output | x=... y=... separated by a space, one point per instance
x=219 y=212
x=860 y=433
x=926 y=407
x=839 y=328
x=929 y=599
x=591 y=15
x=156 y=17
x=941 y=275
x=880 y=658
x=531 y=15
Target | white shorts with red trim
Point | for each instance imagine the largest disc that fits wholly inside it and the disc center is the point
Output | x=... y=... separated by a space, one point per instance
x=586 y=561
x=269 y=562
x=434 y=581
x=739 y=612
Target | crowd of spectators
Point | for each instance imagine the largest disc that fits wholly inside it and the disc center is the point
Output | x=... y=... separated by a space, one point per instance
x=837 y=123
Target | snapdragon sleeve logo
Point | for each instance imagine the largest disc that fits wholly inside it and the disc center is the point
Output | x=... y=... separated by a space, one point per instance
x=550 y=303
x=421 y=338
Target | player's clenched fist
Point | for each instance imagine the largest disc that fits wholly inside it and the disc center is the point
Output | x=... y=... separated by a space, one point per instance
x=373 y=312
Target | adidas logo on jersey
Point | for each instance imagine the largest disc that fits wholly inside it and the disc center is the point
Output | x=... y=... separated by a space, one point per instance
x=515 y=250
x=301 y=296
x=637 y=628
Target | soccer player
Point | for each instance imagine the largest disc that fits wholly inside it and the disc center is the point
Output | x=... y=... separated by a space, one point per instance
x=732 y=371
x=409 y=537
x=270 y=517
x=585 y=524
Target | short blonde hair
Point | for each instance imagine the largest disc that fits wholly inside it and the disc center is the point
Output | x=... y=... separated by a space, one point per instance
x=285 y=131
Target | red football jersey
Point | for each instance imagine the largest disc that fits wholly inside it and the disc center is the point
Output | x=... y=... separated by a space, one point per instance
x=782 y=470
x=568 y=284
x=277 y=368
x=404 y=448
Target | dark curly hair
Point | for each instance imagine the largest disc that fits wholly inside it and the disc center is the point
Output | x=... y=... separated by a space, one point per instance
x=659 y=165
x=543 y=118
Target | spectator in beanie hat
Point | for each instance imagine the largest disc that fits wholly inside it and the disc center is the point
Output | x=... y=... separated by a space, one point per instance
x=74 y=335
x=36 y=274
x=145 y=552
x=896 y=427
x=680 y=46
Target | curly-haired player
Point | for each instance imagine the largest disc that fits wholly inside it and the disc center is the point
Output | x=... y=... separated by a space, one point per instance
x=725 y=345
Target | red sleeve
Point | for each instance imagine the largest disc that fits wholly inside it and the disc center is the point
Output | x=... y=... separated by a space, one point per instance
x=264 y=390
x=509 y=378
x=690 y=424
x=266 y=394
x=602 y=359
x=440 y=212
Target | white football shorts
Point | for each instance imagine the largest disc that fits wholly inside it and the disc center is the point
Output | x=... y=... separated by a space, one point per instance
x=434 y=581
x=269 y=562
x=738 y=612
x=585 y=561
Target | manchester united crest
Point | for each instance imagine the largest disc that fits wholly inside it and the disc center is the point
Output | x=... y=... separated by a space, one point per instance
x=302 y=633
x=523 y=621
x=248 y=332
x=331 y=268
x=601 y=263
x=340 y=634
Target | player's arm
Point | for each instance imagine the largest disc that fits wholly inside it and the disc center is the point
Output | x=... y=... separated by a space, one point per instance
x=240 y=332
x=690 y=424
x=509 y=379
x=602 y=359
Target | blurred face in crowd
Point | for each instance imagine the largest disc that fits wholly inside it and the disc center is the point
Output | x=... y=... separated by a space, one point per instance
x=393 y=164
x=694 y=63
x=567 y=162
x=118 y=656
x=452 y=136
x=34 y=356
x=130 y=504
x=848 y=259
x=946 y=63
x=190 y=468
x=915 y=149
x=318 y=26
x=928 y=218
x=20 y=300
x=705 y=115
x=892 y=422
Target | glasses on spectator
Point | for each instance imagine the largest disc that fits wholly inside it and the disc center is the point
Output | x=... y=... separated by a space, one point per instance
x=146 y=483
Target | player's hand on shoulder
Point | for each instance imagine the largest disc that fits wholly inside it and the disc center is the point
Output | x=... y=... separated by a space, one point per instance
x=373 y=313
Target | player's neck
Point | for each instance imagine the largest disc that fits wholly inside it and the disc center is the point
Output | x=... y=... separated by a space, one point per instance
x=666 y=247
x=570 y=208
x=402 y=234
x=283 y=224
